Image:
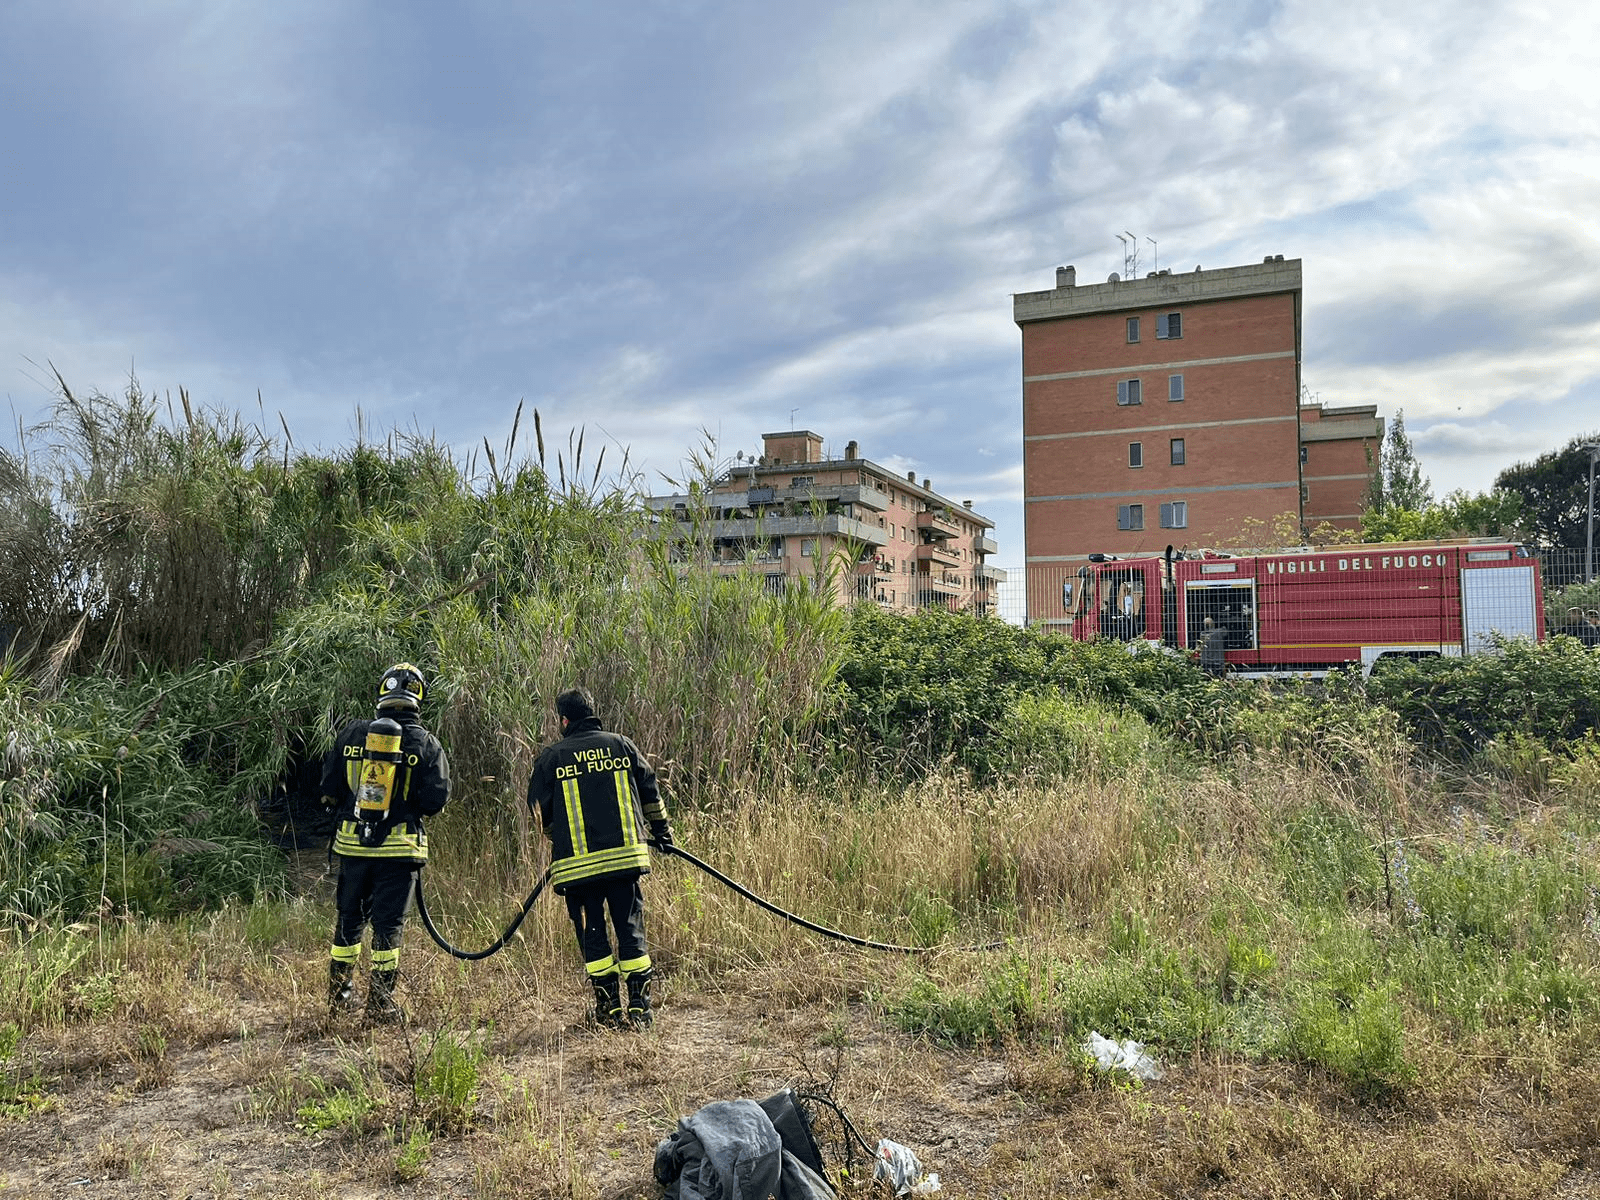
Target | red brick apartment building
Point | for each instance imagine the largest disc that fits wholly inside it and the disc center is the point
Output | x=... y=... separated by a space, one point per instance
x=803 y=518
x=1166 y=411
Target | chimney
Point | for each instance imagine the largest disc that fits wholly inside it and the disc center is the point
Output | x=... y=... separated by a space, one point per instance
x=1066 y=277
x=911 y=476
x=927 y=485
x=851 y=450
x=966 y=504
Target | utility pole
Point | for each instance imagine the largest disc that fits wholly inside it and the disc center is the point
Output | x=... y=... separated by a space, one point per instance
x=1588 y=553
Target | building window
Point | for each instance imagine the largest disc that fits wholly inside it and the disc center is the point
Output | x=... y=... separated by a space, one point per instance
x=1169 y=325
x=1129 y=391
x=1130 y=516
x=800 y=481
x=1177 y=452
x=808 y=547
x=1175 y=515
x=1174 y=388
x=1136 y=454
x=775 y=583
x=1303 y=450
x=1305 y=494
x=1133 y=329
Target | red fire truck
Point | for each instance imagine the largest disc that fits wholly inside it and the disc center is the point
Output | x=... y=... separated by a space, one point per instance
x=1305 y=612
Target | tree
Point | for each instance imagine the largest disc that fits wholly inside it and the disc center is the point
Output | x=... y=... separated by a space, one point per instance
x=1554 y=489
x=1460 y=514
x=1400 y=482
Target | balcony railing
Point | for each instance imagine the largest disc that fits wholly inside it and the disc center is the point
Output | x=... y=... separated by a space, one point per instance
x=807 y=525
x=985 y=545
x=946 y=585
x=937 y=525
x=938 y=552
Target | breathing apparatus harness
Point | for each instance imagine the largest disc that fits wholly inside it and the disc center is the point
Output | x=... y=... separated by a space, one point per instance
x=680 y=852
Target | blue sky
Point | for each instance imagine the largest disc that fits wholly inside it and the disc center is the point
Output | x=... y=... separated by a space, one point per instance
x=653 y=219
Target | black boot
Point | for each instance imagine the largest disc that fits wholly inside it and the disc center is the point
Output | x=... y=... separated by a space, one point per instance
x=381 y=1007
x=608 y=1011
x=639 y=999
x=341 y=995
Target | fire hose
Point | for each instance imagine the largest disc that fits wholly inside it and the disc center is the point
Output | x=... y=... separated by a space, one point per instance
x=680 y=852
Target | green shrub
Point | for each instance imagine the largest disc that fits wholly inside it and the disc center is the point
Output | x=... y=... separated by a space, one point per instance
x=1358 y=1037
x=447 y=1082
x=1049 y=734
x=1548 y=691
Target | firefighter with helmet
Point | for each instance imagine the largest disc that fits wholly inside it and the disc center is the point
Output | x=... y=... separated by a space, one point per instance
x=593 y=792
x=380 y=779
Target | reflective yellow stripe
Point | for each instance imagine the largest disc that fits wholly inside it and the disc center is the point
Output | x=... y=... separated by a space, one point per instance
x=633 y=966
x=345 y=954
x=624 y=786
x=580 y=837
x=400 y=843
x=599 y=862
x=601 y=966
x=385 y=960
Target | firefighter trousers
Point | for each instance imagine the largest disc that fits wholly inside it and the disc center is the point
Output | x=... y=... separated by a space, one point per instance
x=587 y=905
x=375 y=891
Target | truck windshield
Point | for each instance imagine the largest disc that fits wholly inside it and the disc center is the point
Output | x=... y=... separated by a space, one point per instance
x=1121 y=604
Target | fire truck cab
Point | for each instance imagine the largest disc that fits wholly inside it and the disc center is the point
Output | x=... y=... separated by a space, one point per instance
x=1309 y=611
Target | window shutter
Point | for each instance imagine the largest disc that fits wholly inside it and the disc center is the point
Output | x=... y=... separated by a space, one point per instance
x=1122 y=391
x=1161 y=326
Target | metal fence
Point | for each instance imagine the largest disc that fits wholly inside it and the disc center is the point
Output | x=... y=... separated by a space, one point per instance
x=1561 y=572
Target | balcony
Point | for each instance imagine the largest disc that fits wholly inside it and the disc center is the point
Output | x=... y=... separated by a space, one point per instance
x=992 y=574
x=985 y=545
x=938 y=552
x=747 y=498
x=936 y=524
x=826 y=525
x=945 y=585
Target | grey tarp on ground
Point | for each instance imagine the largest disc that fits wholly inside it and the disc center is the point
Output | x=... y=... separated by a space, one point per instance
x=729 y=1150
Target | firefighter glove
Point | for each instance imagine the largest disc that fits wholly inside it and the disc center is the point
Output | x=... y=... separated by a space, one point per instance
x=661 y=834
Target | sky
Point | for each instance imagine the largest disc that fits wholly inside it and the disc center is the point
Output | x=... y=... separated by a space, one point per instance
x=668 y=222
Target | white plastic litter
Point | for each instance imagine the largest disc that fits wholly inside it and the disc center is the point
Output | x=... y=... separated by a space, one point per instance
x=1127 y=1055
x=899 y=1168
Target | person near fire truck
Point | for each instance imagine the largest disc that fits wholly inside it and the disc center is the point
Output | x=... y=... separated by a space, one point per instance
x=594 y=792
x=1575 y=626
x=1213 y=647
x=1591 y=628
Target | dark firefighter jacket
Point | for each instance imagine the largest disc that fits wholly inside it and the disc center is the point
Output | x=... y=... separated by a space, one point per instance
x=422 y=786
x=593 y=792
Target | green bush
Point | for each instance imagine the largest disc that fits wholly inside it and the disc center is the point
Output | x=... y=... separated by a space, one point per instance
x=1358 y=1037
x=1460 y=707
x=1051 y=735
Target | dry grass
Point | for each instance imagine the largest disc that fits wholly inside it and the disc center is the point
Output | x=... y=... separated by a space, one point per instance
x=195 y=1058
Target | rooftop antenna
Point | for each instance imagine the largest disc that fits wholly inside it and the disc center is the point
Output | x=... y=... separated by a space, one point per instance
x=1130 y=254
x=792 y=411
x=1155 y=253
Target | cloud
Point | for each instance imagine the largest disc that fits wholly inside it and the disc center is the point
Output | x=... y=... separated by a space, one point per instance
x=706 y=216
